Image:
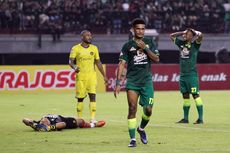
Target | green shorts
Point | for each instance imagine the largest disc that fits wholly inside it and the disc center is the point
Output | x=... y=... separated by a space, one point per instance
x=146 y=94
x=189 y=84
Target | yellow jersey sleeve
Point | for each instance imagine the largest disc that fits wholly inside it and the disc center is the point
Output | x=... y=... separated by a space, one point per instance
x=73 y=52
x=96 y=55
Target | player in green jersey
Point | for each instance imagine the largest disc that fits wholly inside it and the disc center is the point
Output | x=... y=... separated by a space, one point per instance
x=137 y=53
x=189 y=81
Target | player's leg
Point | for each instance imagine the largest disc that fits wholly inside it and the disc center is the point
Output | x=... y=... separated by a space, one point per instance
x=80 y=95
x=81 y=123
x=91 y=89
x=29 y=122
x=146 y=101
x=186 y=98
x=199 y=106
x=92 y=107
x=80 y=107
x=132 y=97
x=194 y=83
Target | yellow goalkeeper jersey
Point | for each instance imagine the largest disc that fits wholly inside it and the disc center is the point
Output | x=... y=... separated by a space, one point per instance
x=85 y=60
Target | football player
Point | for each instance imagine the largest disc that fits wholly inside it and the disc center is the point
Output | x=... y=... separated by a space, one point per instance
x=53 y=122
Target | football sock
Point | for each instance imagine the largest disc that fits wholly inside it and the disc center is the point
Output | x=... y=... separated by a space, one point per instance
x=199 y=106
x=92 y=107
x=132 y=123
x=144 y=121
x=186 y=107
x=80 y=106
x=52 y=128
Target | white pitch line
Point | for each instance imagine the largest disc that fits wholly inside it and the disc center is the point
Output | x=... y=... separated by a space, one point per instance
x=181 y=127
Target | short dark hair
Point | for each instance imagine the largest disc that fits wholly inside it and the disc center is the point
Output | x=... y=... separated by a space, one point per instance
x=84 y=31
x=190 y=29
x=137 y=21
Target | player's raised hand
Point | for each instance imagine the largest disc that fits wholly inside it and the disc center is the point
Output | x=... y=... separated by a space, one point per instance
x=184 y=32
x=140 y=44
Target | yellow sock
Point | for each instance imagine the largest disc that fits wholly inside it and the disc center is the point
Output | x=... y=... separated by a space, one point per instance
x=92 y=107
x=80 y=106
x=199 y=101
x=132 y=124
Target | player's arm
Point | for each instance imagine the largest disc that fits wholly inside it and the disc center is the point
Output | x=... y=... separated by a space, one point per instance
x=100 y=68
x=199 y=36
x=99 y=65
x=176 y=34
x=73 y=65
x=151 y=55
x=120 y=69
x=60 y=125
x=72 y=58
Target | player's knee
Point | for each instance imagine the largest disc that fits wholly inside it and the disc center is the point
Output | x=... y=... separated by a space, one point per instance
x=80 y=99
x=185 y=95
x=148 y=111
x=92 y=97
x=195 y=96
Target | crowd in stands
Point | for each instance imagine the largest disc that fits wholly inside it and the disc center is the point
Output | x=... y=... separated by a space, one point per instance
x=112 y=16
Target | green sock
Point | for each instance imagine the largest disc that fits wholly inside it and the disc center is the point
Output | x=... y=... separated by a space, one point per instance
x=132 y=123
x=144 y=121
x=186 y=108
x=199 y=106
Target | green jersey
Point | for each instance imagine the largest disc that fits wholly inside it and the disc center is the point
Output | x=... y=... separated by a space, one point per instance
x=138 y=63
x=188 y=56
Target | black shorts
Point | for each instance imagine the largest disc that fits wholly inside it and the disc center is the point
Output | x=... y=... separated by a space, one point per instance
x=71 y=123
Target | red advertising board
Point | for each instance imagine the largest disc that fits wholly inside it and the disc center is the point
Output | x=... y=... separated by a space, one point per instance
x=54 y=78
x=166 y=76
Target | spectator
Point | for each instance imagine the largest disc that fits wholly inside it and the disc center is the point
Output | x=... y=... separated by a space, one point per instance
x=227 y=17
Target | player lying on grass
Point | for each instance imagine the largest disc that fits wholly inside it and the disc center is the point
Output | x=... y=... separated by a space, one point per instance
x=53 y=122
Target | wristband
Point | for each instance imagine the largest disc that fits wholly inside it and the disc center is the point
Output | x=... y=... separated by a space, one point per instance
x=157 y=52
x=147 y=50
x=118 y=82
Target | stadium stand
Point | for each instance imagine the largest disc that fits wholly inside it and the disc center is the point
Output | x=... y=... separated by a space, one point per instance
x=110 y=16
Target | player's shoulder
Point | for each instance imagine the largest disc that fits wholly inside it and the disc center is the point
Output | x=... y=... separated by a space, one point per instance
x=128 y=43
x=93 y=46
x=147 y=39
x=76 y=46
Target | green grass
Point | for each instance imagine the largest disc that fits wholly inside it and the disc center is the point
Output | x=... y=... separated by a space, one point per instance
x=164 y=135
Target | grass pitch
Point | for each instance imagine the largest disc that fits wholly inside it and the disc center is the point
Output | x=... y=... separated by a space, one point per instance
x=164 y=135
